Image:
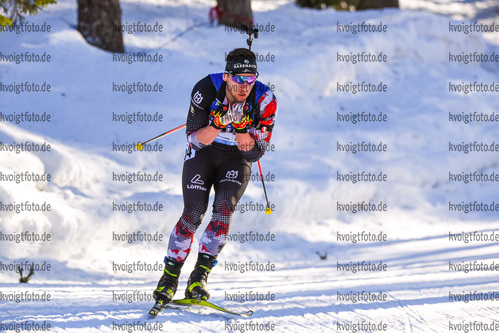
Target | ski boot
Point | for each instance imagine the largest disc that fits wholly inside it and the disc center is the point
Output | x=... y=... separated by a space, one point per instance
x=167 y=285
x=196 y=285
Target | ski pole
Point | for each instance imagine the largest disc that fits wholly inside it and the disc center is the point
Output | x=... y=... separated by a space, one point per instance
x=268 y=210
x=140 y=145
x=254 y=32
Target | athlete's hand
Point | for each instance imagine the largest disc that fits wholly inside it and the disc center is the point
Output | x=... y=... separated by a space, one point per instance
x=243 y=120
x=225 y=116
x=219 y=120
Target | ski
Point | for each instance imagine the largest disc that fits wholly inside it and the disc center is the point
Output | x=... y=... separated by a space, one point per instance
x=159 y=306
x=199 y=302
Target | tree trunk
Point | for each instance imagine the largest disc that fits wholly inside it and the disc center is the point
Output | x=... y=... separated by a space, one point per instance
x=375 y=4
x=99 y=22
x=235 y=12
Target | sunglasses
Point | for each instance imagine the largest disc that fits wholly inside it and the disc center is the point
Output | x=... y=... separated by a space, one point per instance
x=241 y=79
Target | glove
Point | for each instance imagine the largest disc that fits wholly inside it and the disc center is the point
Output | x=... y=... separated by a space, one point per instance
x=241 y=124
x=219 y=120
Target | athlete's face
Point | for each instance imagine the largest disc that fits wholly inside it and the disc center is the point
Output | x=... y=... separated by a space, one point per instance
x=236 y=92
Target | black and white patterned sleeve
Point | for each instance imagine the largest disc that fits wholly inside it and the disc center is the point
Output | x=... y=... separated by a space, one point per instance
x=202 y=97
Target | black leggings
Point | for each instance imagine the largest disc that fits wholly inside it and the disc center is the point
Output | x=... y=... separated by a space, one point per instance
x=223 y=167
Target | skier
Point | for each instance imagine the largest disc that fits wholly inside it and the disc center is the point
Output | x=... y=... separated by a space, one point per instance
x=228 y=127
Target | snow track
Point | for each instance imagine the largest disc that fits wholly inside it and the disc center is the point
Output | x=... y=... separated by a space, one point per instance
x=309 y=296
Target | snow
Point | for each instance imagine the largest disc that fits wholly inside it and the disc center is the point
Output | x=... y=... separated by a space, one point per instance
x=423 y=286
